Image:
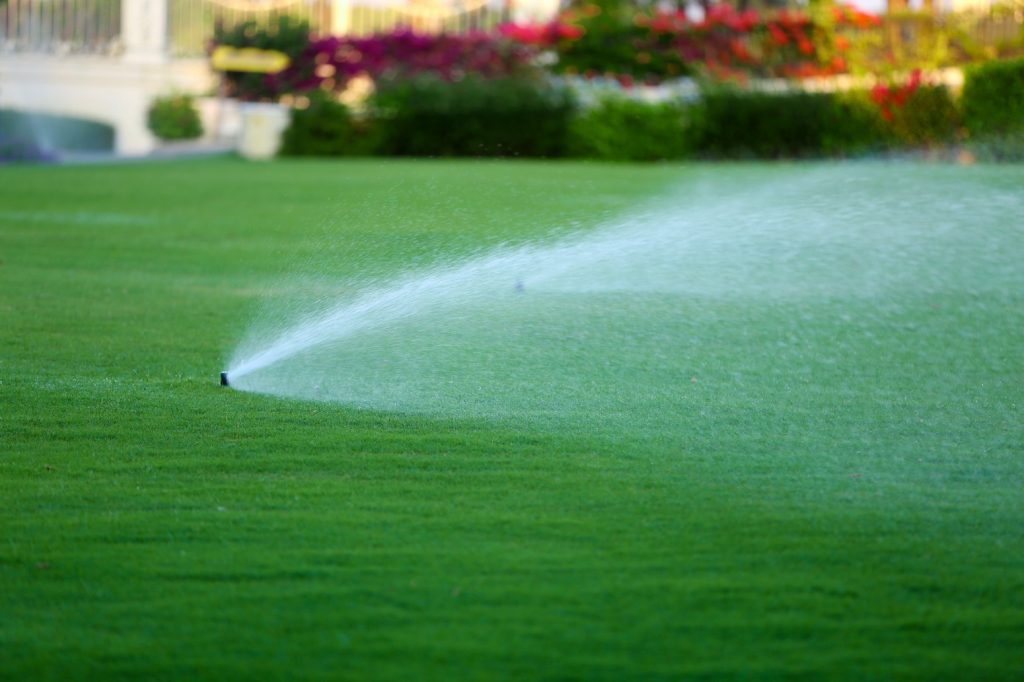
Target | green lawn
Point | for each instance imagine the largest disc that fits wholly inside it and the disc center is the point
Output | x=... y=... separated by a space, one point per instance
x=805 y=460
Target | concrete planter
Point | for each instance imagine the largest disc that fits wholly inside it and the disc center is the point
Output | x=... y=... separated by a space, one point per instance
x=262 y=127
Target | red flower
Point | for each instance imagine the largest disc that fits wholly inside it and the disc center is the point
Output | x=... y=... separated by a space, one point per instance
x=864 y=20
x=879 y=94
x=739 y=49
x=719 y=14
x=749 y=20
x=523 y=33
x=567 y=31
x=779 y=36
x=665 y=22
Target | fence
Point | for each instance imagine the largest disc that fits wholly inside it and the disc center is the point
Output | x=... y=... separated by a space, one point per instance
x=191 y=21
x=941 y=39
x=60 y=26
x=94 y=26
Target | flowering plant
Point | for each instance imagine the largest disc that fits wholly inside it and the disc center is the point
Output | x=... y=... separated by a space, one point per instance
x=329 y=63
x=891 y=98
x=606 y=37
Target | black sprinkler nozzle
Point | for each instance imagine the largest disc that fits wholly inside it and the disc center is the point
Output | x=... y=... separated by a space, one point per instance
x=223 y=378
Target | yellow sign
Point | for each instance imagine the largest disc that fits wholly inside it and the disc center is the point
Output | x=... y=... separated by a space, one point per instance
x=249 y=59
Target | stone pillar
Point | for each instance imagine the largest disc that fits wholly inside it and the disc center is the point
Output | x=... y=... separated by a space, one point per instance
x=144 y=31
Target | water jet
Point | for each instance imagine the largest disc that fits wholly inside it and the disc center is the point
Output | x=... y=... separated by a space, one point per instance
x=618 y=313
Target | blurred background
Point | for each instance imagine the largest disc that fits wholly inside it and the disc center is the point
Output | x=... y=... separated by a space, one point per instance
x=134 y=77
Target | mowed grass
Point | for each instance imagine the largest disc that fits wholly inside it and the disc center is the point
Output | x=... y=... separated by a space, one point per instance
x=866 y=522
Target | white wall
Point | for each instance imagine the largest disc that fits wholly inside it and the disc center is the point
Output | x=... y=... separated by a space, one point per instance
x=113 y=91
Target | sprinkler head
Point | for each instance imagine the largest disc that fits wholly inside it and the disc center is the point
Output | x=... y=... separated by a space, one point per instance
x=223 y=378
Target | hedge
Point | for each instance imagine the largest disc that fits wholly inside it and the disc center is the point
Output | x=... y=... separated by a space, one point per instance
x=427 y=116
x=993 y=98
x=730 y=123
x=619 y=129
x=326 y=128
x=521 y=117
x=993 y=109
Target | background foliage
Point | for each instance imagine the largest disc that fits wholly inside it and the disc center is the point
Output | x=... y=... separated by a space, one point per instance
x=486 y=94
x=993 y=109
x=174 y=117
x=619 y=129
x=428 y=116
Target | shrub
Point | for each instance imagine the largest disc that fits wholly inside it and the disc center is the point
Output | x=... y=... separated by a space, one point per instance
x=993 y=98
x=174 y=118
x=428 y=116
x=928 y=118
x=731 y=123
x=325 y=128
x=993 y=109
x=620 y=129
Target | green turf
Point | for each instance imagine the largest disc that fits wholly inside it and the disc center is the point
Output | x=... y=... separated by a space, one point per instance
x=837 y=497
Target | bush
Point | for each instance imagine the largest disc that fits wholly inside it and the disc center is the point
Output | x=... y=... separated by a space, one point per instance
x=731 y=123
x=174 y=118
x=993 y=109
x=620 y=129
x=993 y=98
x=928 y=118
x=427 y=116
x=325 y=128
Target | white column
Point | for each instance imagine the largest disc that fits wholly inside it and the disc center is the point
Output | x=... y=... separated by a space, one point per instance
x=144 y=30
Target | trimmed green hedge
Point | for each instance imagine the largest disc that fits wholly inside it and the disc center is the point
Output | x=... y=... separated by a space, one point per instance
x=993 y=109
x=619 y=129
x=427 y=116
x=730 y=123
x=326 y=128
x=518 y=117
x=929 y=118
x=993 y=98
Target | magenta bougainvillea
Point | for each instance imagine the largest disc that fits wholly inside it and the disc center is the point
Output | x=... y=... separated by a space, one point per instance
x=329 y=63
x=591 y=39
